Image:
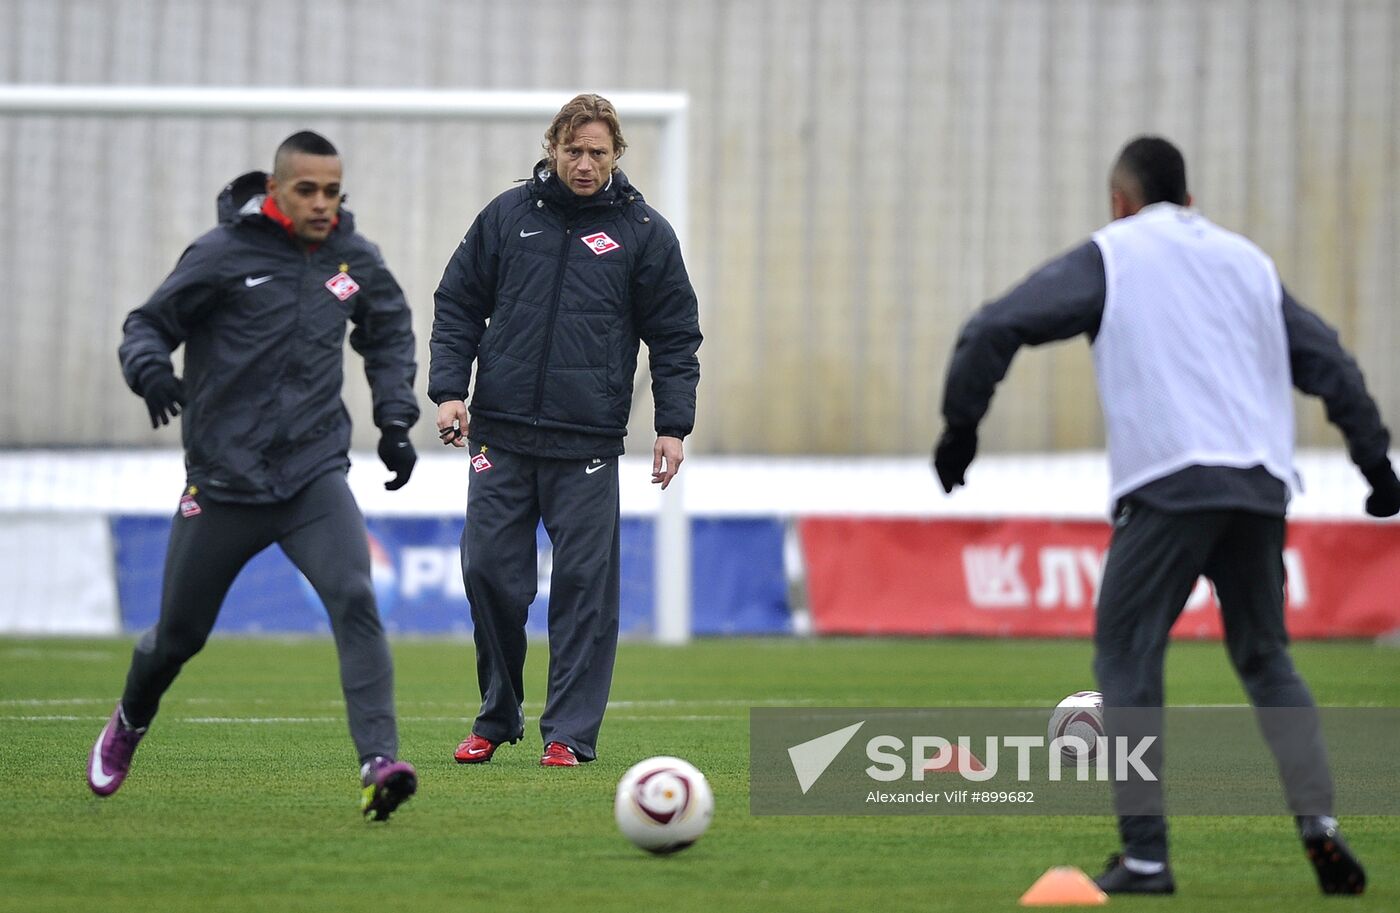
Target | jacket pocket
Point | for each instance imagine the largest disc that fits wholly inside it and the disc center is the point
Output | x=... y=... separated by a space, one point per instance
x=491 y=340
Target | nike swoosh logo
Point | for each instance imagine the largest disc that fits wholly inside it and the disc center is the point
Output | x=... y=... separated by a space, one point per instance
x=529 y=234
x=254 y=283
x=589 y=470
x=100 y=778
x=474 y=752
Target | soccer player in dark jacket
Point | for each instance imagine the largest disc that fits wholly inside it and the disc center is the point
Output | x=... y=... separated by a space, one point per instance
x=260 y=304
x=549 y=294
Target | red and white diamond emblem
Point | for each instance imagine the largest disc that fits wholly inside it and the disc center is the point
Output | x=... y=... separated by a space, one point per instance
x=600 y=243
x=342 y=286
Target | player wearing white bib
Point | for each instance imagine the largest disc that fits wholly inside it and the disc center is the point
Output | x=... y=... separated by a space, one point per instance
x=1196 y=346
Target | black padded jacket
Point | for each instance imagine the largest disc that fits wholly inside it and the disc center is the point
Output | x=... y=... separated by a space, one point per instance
x=263 y=323
x=550 y=294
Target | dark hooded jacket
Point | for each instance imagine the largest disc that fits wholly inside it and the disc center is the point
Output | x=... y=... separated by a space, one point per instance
x=263 y=322
x=550 y=294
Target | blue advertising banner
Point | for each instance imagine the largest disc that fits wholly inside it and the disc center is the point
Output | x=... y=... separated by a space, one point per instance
x=737 y=570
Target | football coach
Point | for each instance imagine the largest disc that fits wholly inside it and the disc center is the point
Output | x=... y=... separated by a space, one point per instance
x=549 y=294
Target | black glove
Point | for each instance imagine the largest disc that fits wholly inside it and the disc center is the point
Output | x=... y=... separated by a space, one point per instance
x=397 y=454
x=953 y=454
x=1384 y=500
x=164 y=394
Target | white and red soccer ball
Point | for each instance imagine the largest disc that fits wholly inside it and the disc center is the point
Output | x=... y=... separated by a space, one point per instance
x=1079 y=716
x=663 y=804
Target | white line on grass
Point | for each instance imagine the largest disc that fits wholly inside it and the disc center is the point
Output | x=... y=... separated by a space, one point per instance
x=535 y=705
x=82 y=656
x=431 y=719
x=47 y=719
x=340 y=720
x=689 y=718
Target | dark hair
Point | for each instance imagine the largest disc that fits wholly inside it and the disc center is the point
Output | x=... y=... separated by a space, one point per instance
x=305 y=141
x=1158 y=169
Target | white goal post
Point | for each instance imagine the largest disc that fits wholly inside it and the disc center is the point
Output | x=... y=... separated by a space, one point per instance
x=669 y=110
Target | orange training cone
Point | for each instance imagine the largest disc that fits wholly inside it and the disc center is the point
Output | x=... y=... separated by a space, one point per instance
x=956 y=760
x=1063 y=886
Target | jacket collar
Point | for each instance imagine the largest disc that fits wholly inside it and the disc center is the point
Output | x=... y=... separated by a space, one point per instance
x=274 y=212
x=546 y=186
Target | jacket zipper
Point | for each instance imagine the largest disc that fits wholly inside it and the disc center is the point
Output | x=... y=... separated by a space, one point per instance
x=280 y=438
x=549 y=321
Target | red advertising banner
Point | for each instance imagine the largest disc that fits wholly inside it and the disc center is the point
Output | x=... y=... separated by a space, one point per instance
x=1039 y=578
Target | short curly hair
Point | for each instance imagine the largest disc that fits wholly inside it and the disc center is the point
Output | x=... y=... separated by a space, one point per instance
x=583 y=109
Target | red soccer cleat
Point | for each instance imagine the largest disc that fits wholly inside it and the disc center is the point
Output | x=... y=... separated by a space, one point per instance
x=475 y=750
x=557 y=754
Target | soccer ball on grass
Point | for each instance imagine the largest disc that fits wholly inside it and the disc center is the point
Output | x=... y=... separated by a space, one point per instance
x=663 y=804
x=1078 y=716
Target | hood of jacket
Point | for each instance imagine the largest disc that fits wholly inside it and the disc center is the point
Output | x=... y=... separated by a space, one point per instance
x=242 y=199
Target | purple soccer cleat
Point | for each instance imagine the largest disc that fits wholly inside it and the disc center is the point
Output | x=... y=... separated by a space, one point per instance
x=386 y=785
x=111 y=755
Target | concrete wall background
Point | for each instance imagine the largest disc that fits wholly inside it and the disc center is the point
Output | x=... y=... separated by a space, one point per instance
x=863 y=176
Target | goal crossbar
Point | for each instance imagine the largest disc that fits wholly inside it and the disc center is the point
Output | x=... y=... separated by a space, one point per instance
x=201 y=101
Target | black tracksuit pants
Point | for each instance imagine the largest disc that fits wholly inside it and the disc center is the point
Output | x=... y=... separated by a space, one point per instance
x=322 y=531
x=578 y=502
x=1153 y=562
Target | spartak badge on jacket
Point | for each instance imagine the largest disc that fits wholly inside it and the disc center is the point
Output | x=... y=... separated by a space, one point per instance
x=341 y=285
x=600 y=243
x=189 y=507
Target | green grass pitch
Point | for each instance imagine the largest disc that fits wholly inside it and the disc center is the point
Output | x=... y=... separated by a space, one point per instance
x=244 y=795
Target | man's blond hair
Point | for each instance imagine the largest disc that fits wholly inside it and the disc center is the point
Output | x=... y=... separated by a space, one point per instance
x=583 y=109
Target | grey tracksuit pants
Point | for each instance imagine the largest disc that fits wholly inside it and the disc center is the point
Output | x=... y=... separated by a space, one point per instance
x=1153 y=561
x=322 y=531
x=577 y=500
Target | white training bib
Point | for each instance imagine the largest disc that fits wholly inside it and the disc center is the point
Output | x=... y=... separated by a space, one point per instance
x=1192 y=354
